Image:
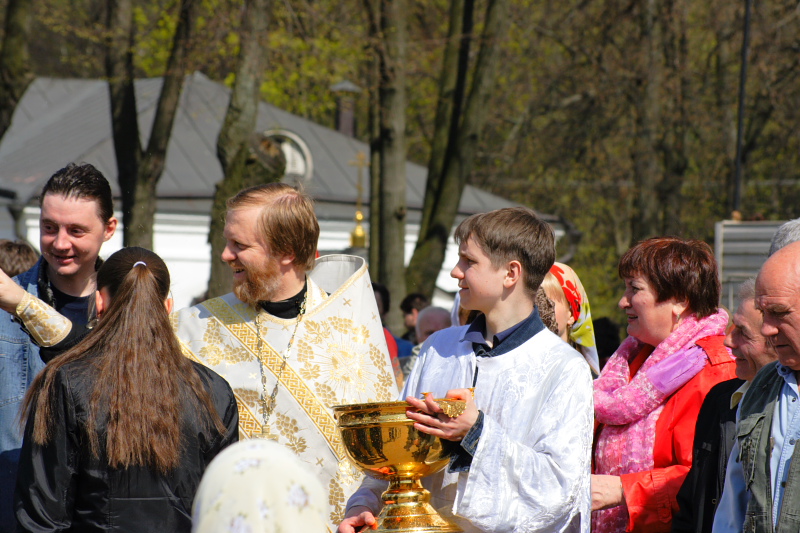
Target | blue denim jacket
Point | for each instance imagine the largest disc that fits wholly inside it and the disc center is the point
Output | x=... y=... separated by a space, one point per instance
x=19 y=364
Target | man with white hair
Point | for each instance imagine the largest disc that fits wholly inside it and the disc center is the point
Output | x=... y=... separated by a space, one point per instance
x=429 y=320
x=787 y=233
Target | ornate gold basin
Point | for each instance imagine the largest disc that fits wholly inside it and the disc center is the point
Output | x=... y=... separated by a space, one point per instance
x=381 y=441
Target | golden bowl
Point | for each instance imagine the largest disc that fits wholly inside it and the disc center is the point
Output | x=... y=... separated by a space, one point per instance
x=382 y=442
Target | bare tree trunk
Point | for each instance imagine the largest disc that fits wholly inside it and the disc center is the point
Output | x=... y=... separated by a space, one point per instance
x=138 y=171
x=233 y=150
x=648 y=113
x=725 y=79
x=15 y=75
x=373 y=14
x=429 y=252
x=124 y=123
x=393 y=156
x=374 y=191
x=450 y=103
x=676 y=159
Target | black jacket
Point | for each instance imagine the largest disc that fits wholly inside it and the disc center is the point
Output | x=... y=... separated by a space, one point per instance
x=713 y=440
x=63 y=487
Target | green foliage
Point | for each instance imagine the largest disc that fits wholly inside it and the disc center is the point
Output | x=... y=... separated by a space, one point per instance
x=565 y=114
x=302 y=71
x=157 y=27
x=67 y=38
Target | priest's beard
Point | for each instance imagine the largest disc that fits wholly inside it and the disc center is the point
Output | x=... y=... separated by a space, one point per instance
x=259 y=285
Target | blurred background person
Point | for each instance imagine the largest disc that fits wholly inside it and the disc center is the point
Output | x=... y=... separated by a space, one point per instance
x=460 y=316
x=411 y=306
x=16 y=257
x=259 y=486
x=573 y=315
x=121 y=427
x=430 y=320
x=606 y=336
x=547 y=311
x=648 y=395
x=397 y=347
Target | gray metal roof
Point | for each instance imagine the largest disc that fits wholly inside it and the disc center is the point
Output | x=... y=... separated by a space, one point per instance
x=59 y=121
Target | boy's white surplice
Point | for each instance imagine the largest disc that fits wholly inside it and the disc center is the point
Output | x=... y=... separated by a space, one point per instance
x=531 y=470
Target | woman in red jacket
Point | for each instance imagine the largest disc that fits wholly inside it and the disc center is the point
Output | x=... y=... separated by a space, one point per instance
x=648 y=396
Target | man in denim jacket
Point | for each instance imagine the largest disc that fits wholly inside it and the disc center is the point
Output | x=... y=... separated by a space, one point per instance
x=76 y=219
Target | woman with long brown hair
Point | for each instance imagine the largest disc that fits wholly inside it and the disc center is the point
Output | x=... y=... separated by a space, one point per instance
x=121 y=427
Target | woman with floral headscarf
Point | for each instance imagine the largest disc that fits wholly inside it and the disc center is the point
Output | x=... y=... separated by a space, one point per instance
x=573 y=316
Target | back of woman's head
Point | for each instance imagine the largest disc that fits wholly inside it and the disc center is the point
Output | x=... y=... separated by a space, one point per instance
x=140 y=379
x=144 y=364
x=137 y=281
x=685 y=270
x=131 y=268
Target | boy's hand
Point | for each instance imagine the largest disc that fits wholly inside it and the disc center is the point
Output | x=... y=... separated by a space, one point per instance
x=356 y=519
x=429 y=418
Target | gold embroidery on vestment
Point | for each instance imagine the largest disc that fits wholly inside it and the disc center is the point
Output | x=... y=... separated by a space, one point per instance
x=316 y=411
x=290 y=431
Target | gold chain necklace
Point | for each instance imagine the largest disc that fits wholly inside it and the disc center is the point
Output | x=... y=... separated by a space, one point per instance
x=268 y=403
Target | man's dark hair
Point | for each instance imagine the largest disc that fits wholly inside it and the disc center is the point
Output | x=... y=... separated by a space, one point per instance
x=415 y=300
x=383 y=290
x=84 y=182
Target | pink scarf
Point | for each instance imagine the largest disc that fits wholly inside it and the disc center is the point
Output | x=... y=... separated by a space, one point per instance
x=629 y=408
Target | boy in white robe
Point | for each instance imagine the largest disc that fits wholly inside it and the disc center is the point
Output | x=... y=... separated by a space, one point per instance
x=522 y=448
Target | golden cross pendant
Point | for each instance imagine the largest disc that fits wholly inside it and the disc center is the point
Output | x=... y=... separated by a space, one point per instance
x=266 y=434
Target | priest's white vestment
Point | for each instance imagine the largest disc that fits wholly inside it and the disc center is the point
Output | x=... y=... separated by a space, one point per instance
x=339 y=356
x=531 y=469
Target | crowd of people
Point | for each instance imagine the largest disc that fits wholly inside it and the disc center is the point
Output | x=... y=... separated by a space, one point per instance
x=118 y=413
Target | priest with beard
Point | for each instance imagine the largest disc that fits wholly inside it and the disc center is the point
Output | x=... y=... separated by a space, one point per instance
x=297 y=335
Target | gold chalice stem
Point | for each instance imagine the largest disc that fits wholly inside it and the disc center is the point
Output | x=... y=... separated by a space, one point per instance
x=406 y=507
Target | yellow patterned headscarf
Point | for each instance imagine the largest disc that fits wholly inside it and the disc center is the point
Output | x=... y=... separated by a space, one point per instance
x=259 y=486
x=582 y=330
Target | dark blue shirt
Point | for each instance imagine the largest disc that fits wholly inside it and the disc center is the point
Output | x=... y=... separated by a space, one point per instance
x=75 y=308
